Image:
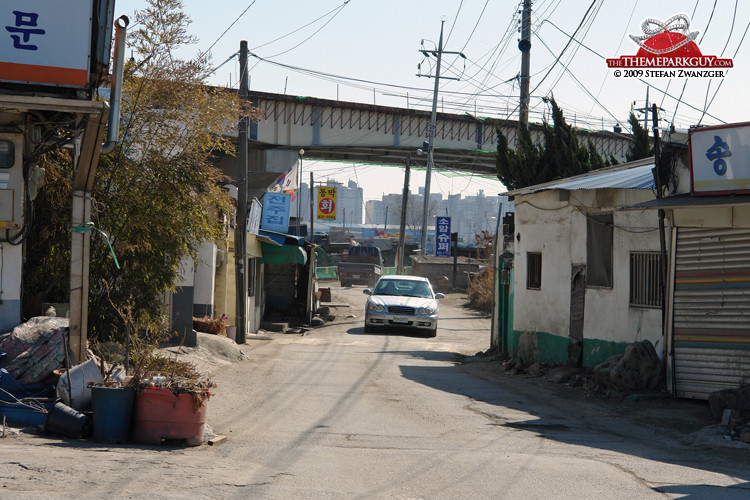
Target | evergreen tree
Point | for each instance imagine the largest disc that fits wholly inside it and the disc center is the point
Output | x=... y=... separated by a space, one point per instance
x=561 y=156
x=641 y=146
x=523 y=168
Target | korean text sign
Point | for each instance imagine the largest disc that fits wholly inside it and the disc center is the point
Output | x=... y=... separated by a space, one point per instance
x=45 y=41
x=443 y=237
x=276 y=212
x=720 y=159
x=327 y=203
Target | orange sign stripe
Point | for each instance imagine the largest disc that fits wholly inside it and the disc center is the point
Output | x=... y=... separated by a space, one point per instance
x=43 y=74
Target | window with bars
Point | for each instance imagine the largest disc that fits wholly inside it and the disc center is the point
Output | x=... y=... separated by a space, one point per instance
x=534 y=270
x=645 y=279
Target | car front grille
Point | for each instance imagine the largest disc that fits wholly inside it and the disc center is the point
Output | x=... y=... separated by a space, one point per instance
x=400 y=310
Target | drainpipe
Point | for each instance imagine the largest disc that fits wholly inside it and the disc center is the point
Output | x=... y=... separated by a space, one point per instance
x=116 y=90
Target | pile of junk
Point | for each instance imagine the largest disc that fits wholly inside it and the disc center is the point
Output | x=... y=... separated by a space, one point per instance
x=106 y=397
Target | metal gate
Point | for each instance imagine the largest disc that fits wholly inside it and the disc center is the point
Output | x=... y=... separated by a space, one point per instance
x=711 y=322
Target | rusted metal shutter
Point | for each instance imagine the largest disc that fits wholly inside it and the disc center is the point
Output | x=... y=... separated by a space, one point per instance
x=711 y=326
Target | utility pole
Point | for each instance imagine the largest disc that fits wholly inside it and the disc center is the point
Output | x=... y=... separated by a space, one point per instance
x=385 y=224
x=240 y=236
x=524 y=45
x=645 y=110
x=312 y=210
x=402 y=230
x=431 y=139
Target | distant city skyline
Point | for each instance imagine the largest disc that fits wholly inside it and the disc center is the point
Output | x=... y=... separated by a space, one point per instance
x=377 y=180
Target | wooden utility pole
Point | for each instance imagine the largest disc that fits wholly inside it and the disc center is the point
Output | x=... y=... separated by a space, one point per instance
x=524 y=45
x=240 y=237
x=402 y=229
x=312 y=209
x=433 y=124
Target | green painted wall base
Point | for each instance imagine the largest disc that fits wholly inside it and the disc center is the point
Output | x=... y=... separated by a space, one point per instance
x=553 y=349
x=596 y=351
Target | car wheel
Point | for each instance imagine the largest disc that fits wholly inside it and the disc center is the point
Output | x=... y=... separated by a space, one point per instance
x=369 y=328
x=431 y=333
x=346 y=284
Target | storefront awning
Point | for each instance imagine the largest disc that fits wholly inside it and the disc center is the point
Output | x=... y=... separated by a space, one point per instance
x=688 y=201
x=284 y=254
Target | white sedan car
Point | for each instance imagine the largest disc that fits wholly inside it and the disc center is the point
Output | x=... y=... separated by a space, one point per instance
x=402 y=301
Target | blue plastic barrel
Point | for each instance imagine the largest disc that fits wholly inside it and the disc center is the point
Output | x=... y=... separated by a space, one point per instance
x=113 y=410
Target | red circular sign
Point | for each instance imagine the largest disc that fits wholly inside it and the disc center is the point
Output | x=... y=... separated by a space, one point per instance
x=327 y=206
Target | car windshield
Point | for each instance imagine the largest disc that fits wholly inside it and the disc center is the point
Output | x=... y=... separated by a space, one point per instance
x=407 y=288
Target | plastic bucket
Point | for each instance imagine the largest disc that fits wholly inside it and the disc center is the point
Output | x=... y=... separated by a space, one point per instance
x=65 y=421
x=162 y=415
x=80 y=377
x=113 y=410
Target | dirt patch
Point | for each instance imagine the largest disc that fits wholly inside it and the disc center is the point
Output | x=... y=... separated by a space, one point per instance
x=680 y=417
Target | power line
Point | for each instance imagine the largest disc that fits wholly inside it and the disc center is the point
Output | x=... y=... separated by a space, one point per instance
x=316 y=31
x=722 y=82
x=230 y=26
x=298 y=29
x=665 y=92
x=566 y=45
x=565 y=67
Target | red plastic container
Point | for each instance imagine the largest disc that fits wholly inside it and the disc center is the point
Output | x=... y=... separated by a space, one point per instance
x=160 y=415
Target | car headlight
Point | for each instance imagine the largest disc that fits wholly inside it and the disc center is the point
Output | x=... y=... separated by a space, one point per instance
x=372 y=306
x=426 y=310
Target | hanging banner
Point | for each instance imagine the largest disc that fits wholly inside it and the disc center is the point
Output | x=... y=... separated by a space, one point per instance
x=276 y=212
x=443 y=237
x=327 y=203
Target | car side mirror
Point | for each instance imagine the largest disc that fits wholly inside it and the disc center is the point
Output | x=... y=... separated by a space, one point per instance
x=367 y=291
x=439 y=296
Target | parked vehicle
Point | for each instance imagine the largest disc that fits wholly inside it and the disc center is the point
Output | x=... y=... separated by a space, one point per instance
x=363 y=265
x=403 y=301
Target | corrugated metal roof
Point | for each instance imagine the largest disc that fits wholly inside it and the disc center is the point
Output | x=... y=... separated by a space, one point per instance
x=686 y=200
x=633 y=178
x=633 y=175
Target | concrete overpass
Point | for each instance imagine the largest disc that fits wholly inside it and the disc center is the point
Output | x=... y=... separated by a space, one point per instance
x=367 y=133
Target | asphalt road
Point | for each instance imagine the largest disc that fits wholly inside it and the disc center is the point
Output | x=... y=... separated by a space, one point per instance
x=337 y=413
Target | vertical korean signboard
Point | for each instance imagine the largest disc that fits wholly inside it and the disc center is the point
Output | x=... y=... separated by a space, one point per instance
x=719 y=159
x=46 y=42
x=327 y=203
x=443 y=237
x=276 y=212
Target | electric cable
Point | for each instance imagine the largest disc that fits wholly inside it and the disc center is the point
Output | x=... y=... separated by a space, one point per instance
x=230 y=26
x=566 y=45
x=340 y=8
x=298 y=29
x=713 y=9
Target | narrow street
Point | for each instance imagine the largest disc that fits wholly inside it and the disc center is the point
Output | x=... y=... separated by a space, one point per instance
x=337 y=413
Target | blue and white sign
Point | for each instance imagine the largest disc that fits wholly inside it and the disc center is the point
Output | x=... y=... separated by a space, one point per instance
x=276 y=212
x=443 y=237
x=719 y=159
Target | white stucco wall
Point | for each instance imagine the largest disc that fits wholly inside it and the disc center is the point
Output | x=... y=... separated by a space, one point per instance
x=205 y=271
x=557 y=229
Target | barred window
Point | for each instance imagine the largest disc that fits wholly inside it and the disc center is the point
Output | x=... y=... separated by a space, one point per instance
x=645 y=279
x=534 y=270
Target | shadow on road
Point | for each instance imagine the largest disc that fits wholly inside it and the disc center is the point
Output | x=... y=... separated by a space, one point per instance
x=578 y=423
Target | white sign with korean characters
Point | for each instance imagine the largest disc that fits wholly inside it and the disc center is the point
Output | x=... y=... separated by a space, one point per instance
x=720 y=159
x=45 y=41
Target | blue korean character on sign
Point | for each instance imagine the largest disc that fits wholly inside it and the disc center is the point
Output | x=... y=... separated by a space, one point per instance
x=276 y=212
x=25 y=26
x=443 y=237
x=717 y=153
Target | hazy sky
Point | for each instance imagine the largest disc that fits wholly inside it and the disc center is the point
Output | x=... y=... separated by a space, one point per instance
x=377 y=43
